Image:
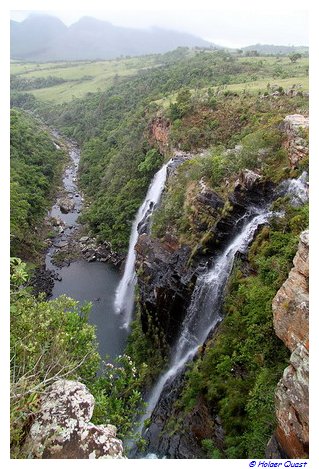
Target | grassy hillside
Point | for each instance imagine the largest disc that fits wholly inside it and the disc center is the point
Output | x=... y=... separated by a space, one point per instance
x=80 y=77
x=252 y=74
x=192 y=89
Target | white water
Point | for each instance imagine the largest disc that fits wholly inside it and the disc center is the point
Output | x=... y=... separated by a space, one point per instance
x=203 y=313
x=297 y=189
x=124 y=296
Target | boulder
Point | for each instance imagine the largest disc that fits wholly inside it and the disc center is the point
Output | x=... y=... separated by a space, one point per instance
x=66 y=205
x=62 y=429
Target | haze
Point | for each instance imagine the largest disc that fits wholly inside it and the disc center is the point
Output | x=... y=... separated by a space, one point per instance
x=239 y=26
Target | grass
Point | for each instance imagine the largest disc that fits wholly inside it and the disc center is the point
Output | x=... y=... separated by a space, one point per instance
x=82 y=77
x=90 y=76
x=272 y=70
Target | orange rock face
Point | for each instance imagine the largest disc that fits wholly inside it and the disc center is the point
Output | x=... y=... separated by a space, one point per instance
x=159 y=130
x=291 y=314
x=291 y=303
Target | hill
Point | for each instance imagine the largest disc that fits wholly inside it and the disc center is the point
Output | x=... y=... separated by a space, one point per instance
x=271 y=49
x=46 y=38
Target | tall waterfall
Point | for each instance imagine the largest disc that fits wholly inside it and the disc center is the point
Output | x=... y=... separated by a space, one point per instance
x=124 y=296
x=204 y=310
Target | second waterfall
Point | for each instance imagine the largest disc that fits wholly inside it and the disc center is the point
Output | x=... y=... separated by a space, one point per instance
x=124 y=296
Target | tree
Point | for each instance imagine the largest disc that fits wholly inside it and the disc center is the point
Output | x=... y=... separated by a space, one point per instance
x=294 y=57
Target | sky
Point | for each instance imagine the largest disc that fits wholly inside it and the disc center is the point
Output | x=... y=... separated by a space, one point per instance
x=227 y=23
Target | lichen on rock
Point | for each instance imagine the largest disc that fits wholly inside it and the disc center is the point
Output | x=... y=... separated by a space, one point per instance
x=62 y=429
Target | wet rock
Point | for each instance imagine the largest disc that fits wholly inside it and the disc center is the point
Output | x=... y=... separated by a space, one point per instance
x=165 y=282
x=184 y=442
x=60 y=244
x=62 y=429
x=56 y=221
x=42 y=281
x=66 y=205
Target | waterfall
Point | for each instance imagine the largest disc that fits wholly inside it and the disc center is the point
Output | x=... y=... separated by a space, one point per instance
x=203 y=313
x=297 y=189
x=124 y=296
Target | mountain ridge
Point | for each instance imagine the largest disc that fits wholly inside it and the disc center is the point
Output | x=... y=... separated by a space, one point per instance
x=45 y=38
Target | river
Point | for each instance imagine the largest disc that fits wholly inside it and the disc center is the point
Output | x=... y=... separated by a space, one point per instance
x=85 y=281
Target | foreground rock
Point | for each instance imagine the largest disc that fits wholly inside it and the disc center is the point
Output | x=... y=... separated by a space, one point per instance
x=291 y=315
x=62 y=429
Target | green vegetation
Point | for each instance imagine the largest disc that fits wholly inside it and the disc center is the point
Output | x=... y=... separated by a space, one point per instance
x=35 y=167
x=214 y=100
x=66 y=81
x=118 y=156
x=240 y=367
x=69 y=351
x=261 y=150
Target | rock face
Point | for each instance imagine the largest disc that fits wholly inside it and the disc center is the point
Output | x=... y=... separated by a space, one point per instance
x=296 y=126
x=62 y=429
x=159 y=132
x=249 y=190
x=292 y=405
x=291 y=303
x=185 y=442
x=291 y=314
x=165 y=283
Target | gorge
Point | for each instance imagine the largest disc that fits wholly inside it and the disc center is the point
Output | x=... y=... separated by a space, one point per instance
x=182 y=206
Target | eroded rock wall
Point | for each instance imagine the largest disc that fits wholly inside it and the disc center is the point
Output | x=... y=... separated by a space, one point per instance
x=296 y=126
x=291 y=317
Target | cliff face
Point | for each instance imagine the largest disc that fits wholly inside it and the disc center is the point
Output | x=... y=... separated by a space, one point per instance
x=296 y=126
x=62 y=429
x=291 y=315
x=159 y=133
x=164 y=282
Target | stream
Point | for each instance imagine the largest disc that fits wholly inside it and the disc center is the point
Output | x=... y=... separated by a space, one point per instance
x=85 y=281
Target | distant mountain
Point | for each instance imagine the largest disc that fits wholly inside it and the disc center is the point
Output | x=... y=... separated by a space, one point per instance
x=269 y=49
x=46 y=38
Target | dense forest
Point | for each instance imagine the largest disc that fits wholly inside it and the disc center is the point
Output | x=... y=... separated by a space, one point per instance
x=200 y=99
x=36 y=165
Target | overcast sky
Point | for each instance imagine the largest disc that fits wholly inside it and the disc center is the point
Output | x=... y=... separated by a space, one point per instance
x=228 y=23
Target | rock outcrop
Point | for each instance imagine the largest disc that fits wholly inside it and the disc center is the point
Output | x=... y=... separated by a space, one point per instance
x=165 y=283
x=62 y=428
x=159 y=133
x=291 y=314
x=291 y=303
x=296 y=127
